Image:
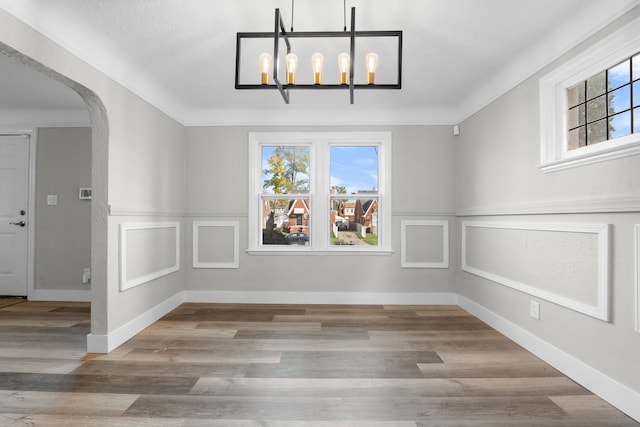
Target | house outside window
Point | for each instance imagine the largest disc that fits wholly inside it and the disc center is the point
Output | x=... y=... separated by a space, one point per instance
x=333 y=190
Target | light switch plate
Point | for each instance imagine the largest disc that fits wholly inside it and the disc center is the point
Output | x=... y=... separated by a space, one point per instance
x=84 y=194
x=534 y=308
x=52 y=199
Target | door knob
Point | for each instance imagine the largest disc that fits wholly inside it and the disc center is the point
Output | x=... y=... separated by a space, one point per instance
x=21 y=223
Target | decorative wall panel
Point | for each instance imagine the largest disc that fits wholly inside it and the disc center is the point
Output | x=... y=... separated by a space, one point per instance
x=567 y=264
x=425 y=244
x=148 y=251
x=215 y=244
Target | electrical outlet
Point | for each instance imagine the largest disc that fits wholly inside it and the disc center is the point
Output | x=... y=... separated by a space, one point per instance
x=534 y=310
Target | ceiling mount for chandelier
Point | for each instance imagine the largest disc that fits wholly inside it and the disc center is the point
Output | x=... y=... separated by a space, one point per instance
x=357 y=62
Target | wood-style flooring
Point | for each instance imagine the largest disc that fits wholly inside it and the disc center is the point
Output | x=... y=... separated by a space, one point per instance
x=283 y=365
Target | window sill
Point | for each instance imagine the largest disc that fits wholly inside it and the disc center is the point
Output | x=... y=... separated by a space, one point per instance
x=629 y=149
x=317 y=252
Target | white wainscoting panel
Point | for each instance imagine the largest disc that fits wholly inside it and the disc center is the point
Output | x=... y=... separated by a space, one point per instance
x=424 y=244
x=148 y=251
x=215 y=244
x=567 y=264
x=637 y=275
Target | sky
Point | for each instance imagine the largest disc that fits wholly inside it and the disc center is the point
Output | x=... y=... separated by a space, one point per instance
x=352 y=167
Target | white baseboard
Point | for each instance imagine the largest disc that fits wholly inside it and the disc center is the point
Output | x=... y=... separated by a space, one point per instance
x=61 y=295
x=618 y=395
x=106 y=343
x=248 y=297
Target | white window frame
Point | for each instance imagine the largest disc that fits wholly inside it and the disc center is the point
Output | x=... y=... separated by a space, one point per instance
x=554 y=152
x=320 y=182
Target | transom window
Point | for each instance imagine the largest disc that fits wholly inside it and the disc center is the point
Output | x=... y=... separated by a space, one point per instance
x=589 y=105
x=320 y=192
x=606 y=105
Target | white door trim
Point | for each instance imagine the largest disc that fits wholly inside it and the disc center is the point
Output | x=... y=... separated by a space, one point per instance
x=31 y=209
x=31 y=188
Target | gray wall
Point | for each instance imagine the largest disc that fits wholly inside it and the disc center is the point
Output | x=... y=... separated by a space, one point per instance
x=422 y=183
x=498 y=181
x=63 y=231
x=146 y=186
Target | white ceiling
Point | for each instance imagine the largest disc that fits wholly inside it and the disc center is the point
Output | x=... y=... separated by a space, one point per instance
x=179 y=55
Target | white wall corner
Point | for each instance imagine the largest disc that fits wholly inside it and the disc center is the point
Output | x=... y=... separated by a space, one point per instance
x=106 y=343
x=617 y=394
x=97 y=343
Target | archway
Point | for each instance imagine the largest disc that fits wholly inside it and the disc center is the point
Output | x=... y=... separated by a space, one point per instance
x=99 y=183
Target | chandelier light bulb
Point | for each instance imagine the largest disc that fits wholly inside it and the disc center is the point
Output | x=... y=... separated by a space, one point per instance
x=371 y=61
x=344 y=64
x=291 y=61
x=265 y=62
x=317 y=60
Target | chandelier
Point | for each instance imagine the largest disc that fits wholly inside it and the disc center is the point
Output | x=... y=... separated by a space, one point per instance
x=357 y=60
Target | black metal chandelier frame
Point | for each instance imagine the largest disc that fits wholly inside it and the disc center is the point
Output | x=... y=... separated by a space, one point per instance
x=280 y=33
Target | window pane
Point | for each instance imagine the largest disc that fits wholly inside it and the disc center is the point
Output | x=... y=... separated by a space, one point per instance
x=619 y=75
x=354 y=169
x=576 y=94
x=285 y=169
x=636 y=93
x=340 y=227
x=597 y=132
x=274 y=218
x=578 y=137
x=298 y=221
x=596 y=108
x=636 y=67
x=354 y=222
x=636 y=120
x=577 y=116
x=596 y=85
x=285 y=222
x=620 y=100
x=620 y=125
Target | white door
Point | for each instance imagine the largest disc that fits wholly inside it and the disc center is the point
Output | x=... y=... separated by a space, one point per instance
x=14 y=195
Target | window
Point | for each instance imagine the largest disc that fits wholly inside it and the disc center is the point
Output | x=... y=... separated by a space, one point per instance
x=590 y=106
x=320 y=192
x=605 y=106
